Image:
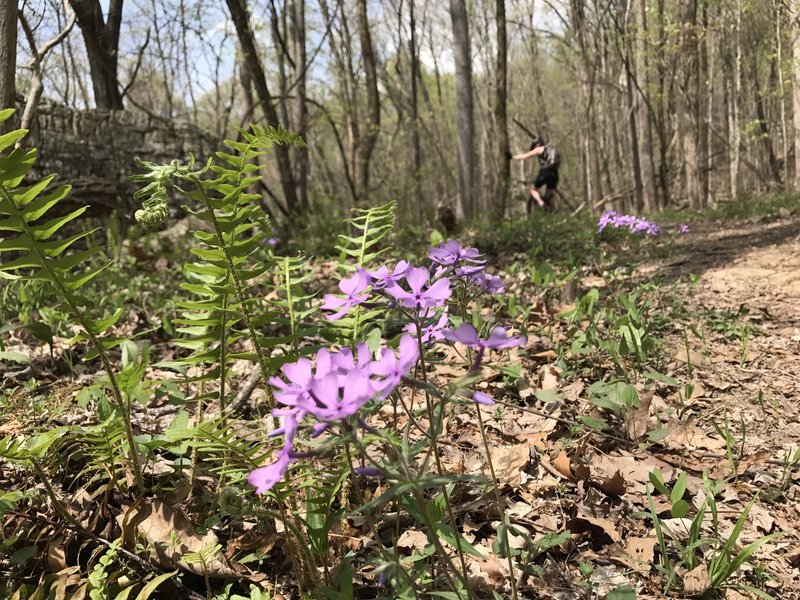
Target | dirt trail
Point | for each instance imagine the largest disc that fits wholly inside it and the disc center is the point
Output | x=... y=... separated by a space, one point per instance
x=745 y=364
x=753 y=270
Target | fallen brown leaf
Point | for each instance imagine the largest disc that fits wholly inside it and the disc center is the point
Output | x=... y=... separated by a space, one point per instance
x=642 y=551
x=509 y=462
x=597 y=527
x=170 y=536
x=696 y=581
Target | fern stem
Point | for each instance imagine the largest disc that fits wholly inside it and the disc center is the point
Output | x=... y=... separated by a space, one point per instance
x=85 y=324
x=223 y=358
x=287 y=274
x=237 y=283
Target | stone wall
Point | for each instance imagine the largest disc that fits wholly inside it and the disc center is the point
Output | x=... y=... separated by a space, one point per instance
x=94 y=150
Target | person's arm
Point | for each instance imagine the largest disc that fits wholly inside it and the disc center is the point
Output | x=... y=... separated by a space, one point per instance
x=535 y=152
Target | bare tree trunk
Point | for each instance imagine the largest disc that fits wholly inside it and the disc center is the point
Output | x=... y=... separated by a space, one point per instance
x=373 y=123
x=782 y=89
x=645 y=129
x=36 y=86
x=464 y=106
x=734 y=127
x=241 y=20
x=501 y=113
x=795 y=10
x=633 y=99
x=688 y=104
x=702 y=92
x=298 y=26
x=102 y=47
x=415 y=145
x=8 y=58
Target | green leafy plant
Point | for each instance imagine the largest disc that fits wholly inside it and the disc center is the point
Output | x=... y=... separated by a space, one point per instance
x=62 y=263
x=231 y=258
x=717 y=551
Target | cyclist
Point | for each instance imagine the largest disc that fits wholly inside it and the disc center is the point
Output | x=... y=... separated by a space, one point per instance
x=549 y=160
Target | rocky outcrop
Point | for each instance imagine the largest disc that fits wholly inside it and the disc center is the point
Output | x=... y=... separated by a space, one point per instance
x=94 y=150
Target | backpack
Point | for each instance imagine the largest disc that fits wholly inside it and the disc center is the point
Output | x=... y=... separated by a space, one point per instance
x=550 y=157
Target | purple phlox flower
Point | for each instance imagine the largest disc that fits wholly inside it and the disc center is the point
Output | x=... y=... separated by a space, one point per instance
x=498 y=337
x=344 y=362
x=300 y=376
x=421 y=294
x=393 y=368
x=334 y=402
x=433 y=329
x=353 y=288
x=264 y=478
x=451 y=253
x=683 y=228
x=370 y=471
x=334 y=389
x=483 y=399
x=630 y=222
x=489 y=283
x=381 y=277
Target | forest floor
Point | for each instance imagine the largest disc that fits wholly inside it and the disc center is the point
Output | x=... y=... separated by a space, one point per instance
x=720 y=410
x=738 y=284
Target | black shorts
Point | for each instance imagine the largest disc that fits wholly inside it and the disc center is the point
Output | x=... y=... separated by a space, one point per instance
x=547 y=176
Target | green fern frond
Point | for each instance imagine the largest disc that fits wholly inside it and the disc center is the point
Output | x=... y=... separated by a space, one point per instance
x=229 y=258
x=371 y=225
x=64 y=263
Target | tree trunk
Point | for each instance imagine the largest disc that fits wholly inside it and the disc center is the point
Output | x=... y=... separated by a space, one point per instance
x=102 y=48
x=688 y=105
x=643 y=112
x=795 y=10
x=298 y=26
x=782 y=90
x=372 y=127
x=8 y=58
x=415 y=145
x=633 y=99
x=734 y=128
x=464 y=107
x=501 y=113
x=241 y=20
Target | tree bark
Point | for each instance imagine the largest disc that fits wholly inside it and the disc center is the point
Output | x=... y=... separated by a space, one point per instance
x=688 y=105
x=782 y=90
x=415 y=145
x=298 y=30
x=501 y=113
x=464 y=107
x=795 y=10
x=101 y=37
x=373 y=123
x=8 y=58
x=241 y=20
x=642 y=105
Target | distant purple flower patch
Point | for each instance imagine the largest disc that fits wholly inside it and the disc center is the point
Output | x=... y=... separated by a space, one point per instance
x=632 y=223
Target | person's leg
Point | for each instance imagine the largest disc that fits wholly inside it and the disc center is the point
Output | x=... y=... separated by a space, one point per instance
x=537 y=197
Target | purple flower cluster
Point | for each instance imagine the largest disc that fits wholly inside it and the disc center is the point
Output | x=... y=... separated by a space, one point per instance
x=332 y=390
x=335 y=386
x=417 y=288
x=683 y=228
x=632 y=223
